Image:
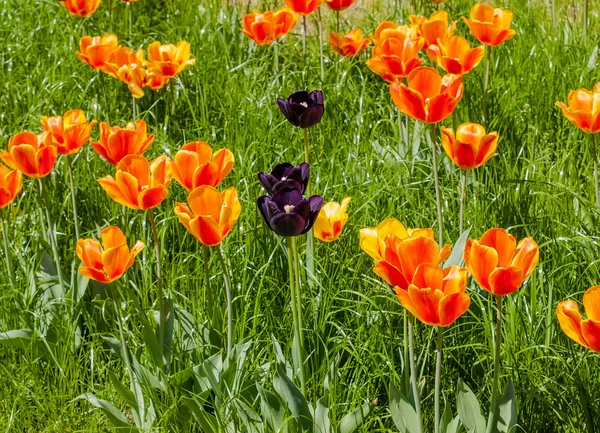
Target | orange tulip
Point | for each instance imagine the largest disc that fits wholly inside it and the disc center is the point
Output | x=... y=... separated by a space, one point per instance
x=31 y=154
x=97 y=51
x=585 y=332
x=264 y=27
x=338 y=5
x=490 y=26
x=107 y=264
x=135 y=78
x=436 y=297
x=395 y=54
x=428 y=97
x=584 y=109
x=155 y=81
x=434 y=28
x=303 y=7
x=331 y=220
x=472 y=147
x=455 y=55
x=81 y=8
x=211 y=214
x=11 y=183
x=398 y=251
x=497 y=265
x=389 y=29
x=68 y=133
x=116 y=142
x=123 y=56
x=139 y=185
x=349 y=45
x=169 y=60
x=196 y=165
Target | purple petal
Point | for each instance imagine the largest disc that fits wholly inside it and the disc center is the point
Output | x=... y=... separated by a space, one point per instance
x=299 y=97
x=317 y=98
x=287 y=197
x=315 y=203
x=268 y=181
x=267 y=209
x=311 y=117
x=288 y=224
x=287 y=183
x=280 y=170
x=302 y=208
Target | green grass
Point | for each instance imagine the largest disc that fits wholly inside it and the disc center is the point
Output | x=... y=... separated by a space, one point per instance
x=539 y=184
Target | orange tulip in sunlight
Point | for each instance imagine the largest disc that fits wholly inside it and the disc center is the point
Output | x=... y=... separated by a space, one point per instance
x=349 y=44
x=264 y=27
x=107 y=264
x=584 y=331
x=81 y=8
x=455 y=55
x=398 y=251
x=68 y=133
x=116 y=142
x=584 y=109
x=155 y=81
x=434 y=28
x=169 y=60
x=472 y=147
x=33 y=155
x=135 y=78
x=395 y=53
x=11 y=183
x=436 y=297
x=196 y=165
x=428 y=97
x=211 y=214
x=498 y=263
x=338 y=5
x=331 y=220
x=97 y=51
x=490 y=26
x=138 y=184
x=303 y=7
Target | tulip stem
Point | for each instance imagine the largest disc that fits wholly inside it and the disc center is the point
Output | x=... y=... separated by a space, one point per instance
x=491 y=427
x=129 y=13
x=486 y=83
x=304 y=37
x=276 y=60
x=208 y=293
x=413 y=371
x=9 y=268
x=463 y=187
x=110 y=15
x=310 y=243
x=134 y=110
x=161 y=302
x=438 y=194
x=320 y=25
x=595 y=169
x=296 y=308
x=122 y=335
x=52 y=237
x=229 y=301
x=585 y=21
x=73 y=198
x=438 y=374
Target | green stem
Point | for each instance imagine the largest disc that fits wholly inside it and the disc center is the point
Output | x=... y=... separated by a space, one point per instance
x=122 y=335
x=413 y=371
x=296 y=308
x=585 y=21
x=463 y=185
x=129 y=13
x=491 y=427
x=310 y=242
x=73 y=198
x=134 y=109
x=110 y=15
x=486 y=83
x=9 y=268
x=438 y=194
x=276 y=59
x=161 y=301
x=438 y=376
x=208 y=293
x=52 y=237
x=405 y=341
x=304 y=37
x=229 y=301
x=595 y=169
x=320 y=26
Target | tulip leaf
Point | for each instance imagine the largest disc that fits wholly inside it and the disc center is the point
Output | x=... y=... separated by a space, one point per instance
x=403 y=412
x=207 y=421
x=456 y=257
x=125 y=393
x=152 y=345
x=593 y=59
x=27 y=339
x=296 y=402
x=506 y=410
x=114 y=415
x=322 y=423
x=469 y=410
x=248 y=416
x=168 y=331
x=352 y=421
x=271 y=408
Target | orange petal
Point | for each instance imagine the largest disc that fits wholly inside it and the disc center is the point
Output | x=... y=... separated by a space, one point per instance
x=109 y=185
x=416 y=251
x=426 y=303
x=590 y=330
x=112 y=236
x=440 y=107
x=408 y=101
x=391 y=275
x=505 y=281
x=94 y=274
x=453 y=306
x=115 y=259
x=152 y=197
x=481 y=262
x=591 y=302
x=504 y=244
x=570 y=320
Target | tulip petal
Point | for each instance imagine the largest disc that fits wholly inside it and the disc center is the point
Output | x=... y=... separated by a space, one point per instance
x=391 y=275
x=426 y=303
x=115 y=259
x=414 y=252
x=505 y=281
x=453 y=306
x=481 y=262
x=408 y=101
x=152 y=197
x=94 y=274
x=109 y=185
x=504 y=244
x=440 y=108
x=590 y=330
x=570 y=320
x=591 y=303
x=112 y=236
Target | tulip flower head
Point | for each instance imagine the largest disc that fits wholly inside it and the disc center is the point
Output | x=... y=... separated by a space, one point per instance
x=11 y=184
x=264 y=27
x=303 y=109
x=169 y=60
x=455 y=55
x=436 y=296
x=116 y=142
x=584 y=109
x=155 y=81
x=81 y=8
x=498 y=263
x=490 y=26
x=210 y=215
x=303 y=7
x=97 y=51
x=108 y=262
x=331 y=220
x=472 y=147
x=338 y=5
x=68 y=133
x=398 y=251
x=584 y=331
x=395 y=53
x=350 y=44
x=285 y=175
x=433 y=29
x=287 y=213
x=196 y=165
x=138 y=184
x=33 y=155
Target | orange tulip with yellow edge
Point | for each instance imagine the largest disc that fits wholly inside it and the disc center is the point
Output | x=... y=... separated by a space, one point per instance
x=331 y=220
x=498 y=263
x=395 y=53
x=584 y=331
x=116 y=142
x=434 y=28
x=97 y=51
x=387 y=29
x=583 y=110
x=138 y=184
x=338 y=5
x=490 y=26
x=436 y=296
x=264 y=27
x=196 y=165
x=81 y=8
x=68 y=133
x=135 y=78
x=350 y=44
x=169 y=60
x=209 y=215
x=303 y=7
x=471 y=147
x=33 y=155
x=428 y=97
x=155 y=81
x=455 y=55
x=123 y=56
x=398 y=251
x=11 y=184
x=108 y=262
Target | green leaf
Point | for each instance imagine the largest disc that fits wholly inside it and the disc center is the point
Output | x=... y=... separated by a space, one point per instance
x=322 y=422
x=154 y=349
x=469 y=411
x=125 y=393
x=352 y=421
x=403 y=412
x=168 y=332
x=27 y=339
x=271 y=408
x=456 y=257
x=114 y=415
x=296 y=402
x=207 y=421
x=248 y=416
x=506 y=410
x=446 y=419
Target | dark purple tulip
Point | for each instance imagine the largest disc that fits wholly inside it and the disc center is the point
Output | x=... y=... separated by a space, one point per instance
x=285 y=175
x=287 y=213
x=303 y=109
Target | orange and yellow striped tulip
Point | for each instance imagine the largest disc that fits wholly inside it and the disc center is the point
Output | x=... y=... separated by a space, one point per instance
x=455 y=55
x=11 y=184
x=303 y=7
x=97 y=51
x=434 y=28
x=331 y=220
x=81 y=8
x=338 y=5
x=490 y=26
x=169 y=60
x=584 y=331
x=68 y=133
x=196 y=165
x=584 y=109
x=264 y=27
x=350 y=44
x=116 y=142
x=33 y=155
x=472 y=147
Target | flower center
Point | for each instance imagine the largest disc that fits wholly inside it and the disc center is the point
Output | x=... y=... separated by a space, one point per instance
x=288 y=208
x=304 y=104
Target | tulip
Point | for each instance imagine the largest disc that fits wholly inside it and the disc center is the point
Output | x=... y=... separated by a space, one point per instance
x=434 y=28
x=303 y=109
x=349 y=45
x=31 y=154
x=472 y=147
x=287 y=213
x=123 y=56
x=490 y=26
x=169 y=60
x=139 y=185
x=135 y=78
x=338 y=5
x=583 y=109
x=584 y=331
x=11 y=183
x=285 y=175
x=155 y=81
x=97 y=51
x=81 y=8
x=107 y=264
x=498 y=263
x=331 y=220
x=455 y=55
x=116 y=142
x=196 y=165
x=387 y=29
x=68 y=133
x=264 y=27
x=395 y=54
x=211 y=214
x=303 y=7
